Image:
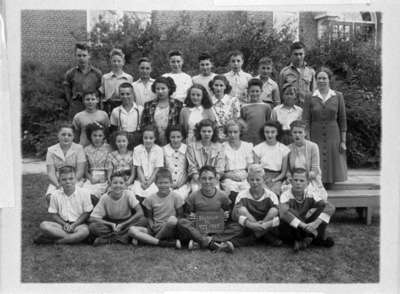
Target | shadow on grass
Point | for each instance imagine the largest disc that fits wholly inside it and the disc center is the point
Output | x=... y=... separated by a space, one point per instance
x=354 y=258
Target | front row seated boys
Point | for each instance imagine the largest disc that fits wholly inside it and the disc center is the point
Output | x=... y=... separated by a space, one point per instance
x=118 y=216
x=69 y=208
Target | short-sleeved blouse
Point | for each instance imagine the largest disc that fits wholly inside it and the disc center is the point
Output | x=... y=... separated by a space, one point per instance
x=176 y=162
x=120 y=162
x=97 y=156
x=55 y=156
x=238 y=159
x=271 y=157
x=148 y=160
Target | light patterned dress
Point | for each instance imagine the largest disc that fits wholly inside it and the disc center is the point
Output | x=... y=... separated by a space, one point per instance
x=97 y=166
x=225 y=109
x=121 y=163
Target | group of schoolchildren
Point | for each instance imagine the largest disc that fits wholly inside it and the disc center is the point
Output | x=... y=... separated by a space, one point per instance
x=180 y=146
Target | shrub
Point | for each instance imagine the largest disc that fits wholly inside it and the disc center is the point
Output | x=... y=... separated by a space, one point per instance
x=43 y=104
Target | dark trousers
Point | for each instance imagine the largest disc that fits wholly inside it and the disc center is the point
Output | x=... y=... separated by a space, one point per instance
x=289 y=234
x=247 y=237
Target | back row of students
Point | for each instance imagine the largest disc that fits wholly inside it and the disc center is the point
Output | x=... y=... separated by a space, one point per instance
x=86 y=78
x=299 y=218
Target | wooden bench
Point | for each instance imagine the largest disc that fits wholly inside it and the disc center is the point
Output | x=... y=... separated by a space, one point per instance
x=366 y=199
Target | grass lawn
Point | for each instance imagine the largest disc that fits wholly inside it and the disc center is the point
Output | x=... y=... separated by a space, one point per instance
x=354 y=258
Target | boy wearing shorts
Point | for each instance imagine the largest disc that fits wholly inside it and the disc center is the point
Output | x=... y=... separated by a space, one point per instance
x=69 y=208
x=115 y=213
x=162 y=210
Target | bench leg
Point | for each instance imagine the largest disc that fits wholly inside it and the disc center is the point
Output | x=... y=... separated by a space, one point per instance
x=369 y=215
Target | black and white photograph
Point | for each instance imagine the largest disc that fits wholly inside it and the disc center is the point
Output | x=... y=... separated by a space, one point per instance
x=190 y=145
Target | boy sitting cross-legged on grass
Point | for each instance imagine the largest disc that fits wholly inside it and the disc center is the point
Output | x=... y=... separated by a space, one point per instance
x=257 y=211
x=162 y=210
x=115 y=213
x=304 y=215
x=207 y=199
x=69 y=207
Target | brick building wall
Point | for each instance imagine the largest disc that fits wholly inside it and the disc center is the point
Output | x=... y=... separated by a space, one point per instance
x=308 y=29
x=166 y=19
x=49 y=36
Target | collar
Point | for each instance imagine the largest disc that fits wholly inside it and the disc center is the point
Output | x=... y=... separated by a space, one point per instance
x=236 y=73
x=283 y=106
x=304 y=65
x=169 y=150
x=121 y=75
x=134 y=108
x=196 y=108
x=90 y=67
x=224 y=100
x=329 y=95
x=145 y=82
x=65 y=195
x=56 y=150
x=198 y=145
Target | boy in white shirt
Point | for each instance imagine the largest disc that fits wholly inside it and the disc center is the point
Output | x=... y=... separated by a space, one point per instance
x=110 y=81
x=126 y=117
x=205 y=76
x=182 y=80
x=142 y=87
x=237 y=78
x=69 y=208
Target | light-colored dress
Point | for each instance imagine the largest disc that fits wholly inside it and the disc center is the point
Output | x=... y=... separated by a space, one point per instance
x=55 y=156
x=148 y=161
x=326 y=120
x=225 y=109
x=237 y=161
x=97 y=166
x=175 y=160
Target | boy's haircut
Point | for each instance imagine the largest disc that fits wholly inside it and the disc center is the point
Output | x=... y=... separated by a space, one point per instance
x=204 y=56
x=205 y=100
x=256 y=169
x=144 y=59
x=117 y=175
x=272 y=123
x=206 y=168
x=236 y=53
x=66 y=169
x=163 y=173
x=175 y=53
x=222 y=78
x=206 y=123
x=64 y=125
x=117 y=52
x=114 y=138
x=296 y=46
x=255 y=82
x=125 y=85
x=239 y=122
x=89 y=92
x=288 y=86
x=298 y=124
x=299 y=170
x=265 y=61
x=168 y=81
x=82 y=46
x=175 y=128
x=92 y=127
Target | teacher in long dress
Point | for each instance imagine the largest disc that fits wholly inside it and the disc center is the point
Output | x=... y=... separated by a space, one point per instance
x=325 y=115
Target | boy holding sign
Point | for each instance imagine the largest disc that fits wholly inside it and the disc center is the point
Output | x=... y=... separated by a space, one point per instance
x=206 y=211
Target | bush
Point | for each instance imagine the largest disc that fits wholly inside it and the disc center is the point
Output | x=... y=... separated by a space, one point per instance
x=43 y=105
